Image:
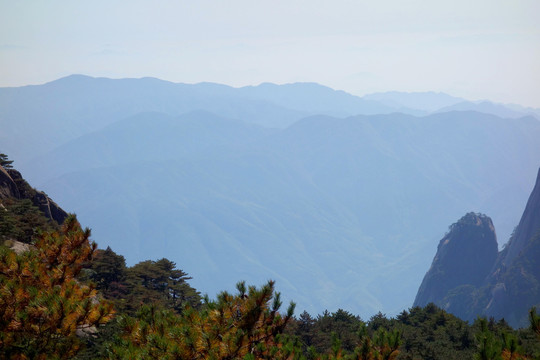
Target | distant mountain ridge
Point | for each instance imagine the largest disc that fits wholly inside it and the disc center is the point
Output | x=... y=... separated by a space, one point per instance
x=473 y=280
x=488 y=107
x=425 y=102
x=315 y=99
x=69 y=107
x=257 y=184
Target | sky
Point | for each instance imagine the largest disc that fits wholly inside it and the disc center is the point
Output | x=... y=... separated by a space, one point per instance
x=482 y=49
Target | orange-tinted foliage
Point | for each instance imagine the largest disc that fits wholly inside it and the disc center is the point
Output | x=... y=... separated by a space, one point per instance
x=42 y=305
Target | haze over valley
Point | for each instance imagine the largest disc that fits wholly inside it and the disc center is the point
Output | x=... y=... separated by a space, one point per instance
x=340 y=199
x=270 y=180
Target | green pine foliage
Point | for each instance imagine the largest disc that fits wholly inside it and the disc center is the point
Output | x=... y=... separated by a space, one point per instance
x=42 y=304
x=22 y=221
x=108 y=271
x=417 y=333
x=242 y=326
x=5 y=162
x=534 y=320
x=158 y=283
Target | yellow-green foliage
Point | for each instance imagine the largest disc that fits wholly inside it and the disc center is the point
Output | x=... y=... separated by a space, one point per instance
x=42 y=305
x=242 y=326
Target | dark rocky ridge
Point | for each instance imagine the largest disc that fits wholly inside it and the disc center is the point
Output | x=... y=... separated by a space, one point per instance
x=527 y=228
x=465 y=256
x=509 y=288
x=13 y=185
x=8 y=188
x=514 y=284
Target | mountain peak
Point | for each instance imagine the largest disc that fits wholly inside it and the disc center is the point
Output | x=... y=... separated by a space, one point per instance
x=73 y=79
x=426 y=101
x=465 y=256
x=508 y=290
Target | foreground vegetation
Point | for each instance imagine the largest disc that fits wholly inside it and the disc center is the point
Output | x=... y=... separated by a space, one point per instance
x=57 y=300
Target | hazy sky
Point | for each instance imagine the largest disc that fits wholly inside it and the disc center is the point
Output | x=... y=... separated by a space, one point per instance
x=472 y=48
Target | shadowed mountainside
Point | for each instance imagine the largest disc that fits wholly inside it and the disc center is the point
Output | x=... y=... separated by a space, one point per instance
x=468 y=278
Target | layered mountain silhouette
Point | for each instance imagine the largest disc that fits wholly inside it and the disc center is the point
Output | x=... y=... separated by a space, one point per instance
x=44 y=116
x=263 y=182
x=72 y=106
x=422 y=102
x=469 y=278
x=488 y=107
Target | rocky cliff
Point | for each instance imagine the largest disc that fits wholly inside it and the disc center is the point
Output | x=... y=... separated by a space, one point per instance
x=514 y=284
x=468 y=278
x=13 y=185
x=465 y=256
x=8 y=188
x=528 y=227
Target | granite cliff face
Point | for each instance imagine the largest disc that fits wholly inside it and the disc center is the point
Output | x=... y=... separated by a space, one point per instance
x=528 y=227
x=469 y=279
x=8 y=188
x=465 y=256
x=514 y=284
x=12 y=185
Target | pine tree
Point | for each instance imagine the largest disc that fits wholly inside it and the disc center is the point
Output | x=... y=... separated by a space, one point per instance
x=107 y=268
x=243 y=326
x=534 y=320
x=5 y=162
x=489 y=348
x=160 y=283
x=510 y=347
x=42 y=305
x=386 y=344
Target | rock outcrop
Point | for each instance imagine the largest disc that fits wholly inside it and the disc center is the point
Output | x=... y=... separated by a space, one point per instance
x=13 y=185
x=8 y=188
x=528 y=227
x=513 y=286
x=49 y=207
x=462 y=281
x=465 y=256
